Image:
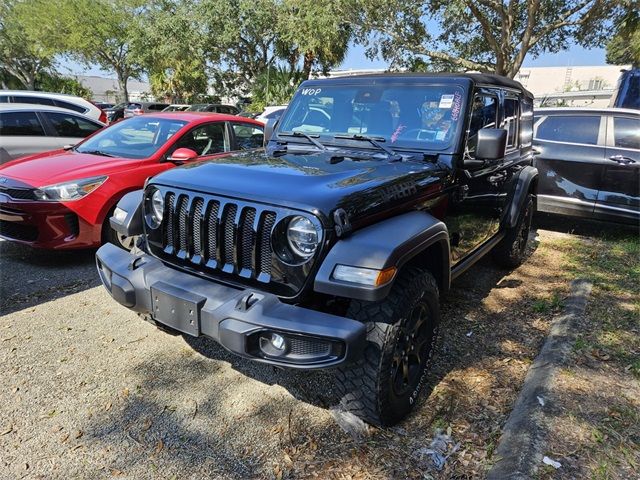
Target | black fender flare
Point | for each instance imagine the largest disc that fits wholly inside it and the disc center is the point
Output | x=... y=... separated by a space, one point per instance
x=389 y=243
x=131 y=224
x=526 y=177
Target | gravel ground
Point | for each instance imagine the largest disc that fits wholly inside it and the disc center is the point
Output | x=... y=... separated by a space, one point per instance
x=91 y=391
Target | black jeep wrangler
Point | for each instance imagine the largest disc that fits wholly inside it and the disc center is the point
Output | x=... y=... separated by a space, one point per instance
x=330 y=247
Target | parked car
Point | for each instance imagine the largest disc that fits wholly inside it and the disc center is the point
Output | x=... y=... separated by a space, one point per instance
x=213 y=107
x=176 y=107
x=589 y=162
x=330 y=248
x=116 y=112
x=271 y=113
x=60 y=199
x=140 y=108
x=70 y=102
x=104 y=105
x=627 y=92
x=26 y=129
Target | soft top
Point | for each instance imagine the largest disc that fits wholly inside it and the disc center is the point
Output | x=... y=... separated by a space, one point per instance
x=476 y=78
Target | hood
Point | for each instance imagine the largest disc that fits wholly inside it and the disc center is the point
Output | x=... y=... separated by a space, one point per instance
x=61 y=166
x=310 y=181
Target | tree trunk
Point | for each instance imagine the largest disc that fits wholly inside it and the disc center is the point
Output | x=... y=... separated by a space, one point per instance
x=122 y=84
x=309 y=57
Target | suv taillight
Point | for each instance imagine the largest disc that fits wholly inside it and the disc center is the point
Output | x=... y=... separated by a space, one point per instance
x=103 y=117
x=138 y=111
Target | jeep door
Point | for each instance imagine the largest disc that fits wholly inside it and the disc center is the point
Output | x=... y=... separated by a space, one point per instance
x=619 y=193
x=472 y=217
x=571 y=161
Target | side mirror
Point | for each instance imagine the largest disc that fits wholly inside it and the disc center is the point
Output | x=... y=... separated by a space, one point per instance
x=69 y=146
x=182 y=155
x=269 y=127
x=492 y=143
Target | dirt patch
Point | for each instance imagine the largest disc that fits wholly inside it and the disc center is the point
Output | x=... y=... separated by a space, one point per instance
x=90 y=391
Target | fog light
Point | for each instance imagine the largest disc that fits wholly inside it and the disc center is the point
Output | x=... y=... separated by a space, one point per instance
x=278 y=342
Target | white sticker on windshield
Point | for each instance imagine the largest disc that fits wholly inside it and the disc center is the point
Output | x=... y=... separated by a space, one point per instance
x=446 y=101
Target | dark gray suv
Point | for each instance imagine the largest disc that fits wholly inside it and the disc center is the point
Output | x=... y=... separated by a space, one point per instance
x=589 y=162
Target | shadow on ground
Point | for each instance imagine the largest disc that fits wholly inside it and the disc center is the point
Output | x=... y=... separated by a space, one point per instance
x=213 y=421
x=29 y=276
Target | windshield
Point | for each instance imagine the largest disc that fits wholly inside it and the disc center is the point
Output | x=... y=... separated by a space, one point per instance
x=137 y=137
x=405 y=116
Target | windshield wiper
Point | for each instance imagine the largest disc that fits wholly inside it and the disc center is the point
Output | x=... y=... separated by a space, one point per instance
x=375 y=141
x=304 y=135
x=96 y=152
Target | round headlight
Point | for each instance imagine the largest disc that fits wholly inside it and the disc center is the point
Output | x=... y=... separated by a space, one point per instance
x=302 y=236
x=156 y=209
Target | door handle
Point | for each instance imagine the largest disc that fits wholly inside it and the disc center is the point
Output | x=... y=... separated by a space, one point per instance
x=622 y=159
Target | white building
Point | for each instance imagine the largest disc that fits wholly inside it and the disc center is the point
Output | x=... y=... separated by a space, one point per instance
x=590 y=86
x=106 y=89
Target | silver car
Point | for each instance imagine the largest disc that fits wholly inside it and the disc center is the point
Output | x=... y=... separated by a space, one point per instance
x=28 y=129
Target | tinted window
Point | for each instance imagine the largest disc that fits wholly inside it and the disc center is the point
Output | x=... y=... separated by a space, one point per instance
x=510 y=123
x=4 y=99
x=206 y=140
x=157 y=106
x=70 y=106
x=20 y=123
x=133 y=106
x=484 y=114
x=626 y=132
x=33 y=100
x=526 y=122
x=137 y=137
x=248 y=136
x=570 y=128
x=71 y=125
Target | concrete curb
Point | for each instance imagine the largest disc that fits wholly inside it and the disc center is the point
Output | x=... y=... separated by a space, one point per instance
x=520 y=448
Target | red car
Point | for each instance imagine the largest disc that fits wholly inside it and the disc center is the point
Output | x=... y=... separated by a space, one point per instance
x=64 y=198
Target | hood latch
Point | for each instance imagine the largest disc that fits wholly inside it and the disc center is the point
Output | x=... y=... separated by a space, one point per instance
x=342 y=224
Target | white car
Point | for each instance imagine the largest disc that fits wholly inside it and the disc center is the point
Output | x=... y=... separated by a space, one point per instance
x=70 y=102
x=272 y=112
x=29 y=129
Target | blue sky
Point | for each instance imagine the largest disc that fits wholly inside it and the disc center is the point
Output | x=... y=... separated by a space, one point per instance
x=356 y=59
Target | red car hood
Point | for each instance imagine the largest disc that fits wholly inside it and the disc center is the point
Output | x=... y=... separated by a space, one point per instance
x=61 y=166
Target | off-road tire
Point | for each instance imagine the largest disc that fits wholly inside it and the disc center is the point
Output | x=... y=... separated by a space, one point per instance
x=369 y=386
x=512 y=249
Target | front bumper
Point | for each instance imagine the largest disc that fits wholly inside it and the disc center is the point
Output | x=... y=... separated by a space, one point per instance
x=241 y=320
x=45 y=225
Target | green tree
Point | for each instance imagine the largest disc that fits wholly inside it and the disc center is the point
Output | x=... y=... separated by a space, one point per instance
x=624 y=47
x=239 y=38
x=485 y=35
x=170 y=48
x=60 y=84
x=311 y=29
x=275 y=86
x=95 y=32
x=23 y=57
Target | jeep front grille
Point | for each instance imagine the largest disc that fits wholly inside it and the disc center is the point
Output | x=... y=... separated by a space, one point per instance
x=218 y=233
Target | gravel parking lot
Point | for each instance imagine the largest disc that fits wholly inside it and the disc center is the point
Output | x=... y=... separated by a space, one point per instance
x=91 y=391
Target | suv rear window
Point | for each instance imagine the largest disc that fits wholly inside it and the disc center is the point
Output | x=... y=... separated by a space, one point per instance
x=20 y=124
x=33 y=100
x=70 y=106
x=570 y=128
x=626 y=132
